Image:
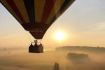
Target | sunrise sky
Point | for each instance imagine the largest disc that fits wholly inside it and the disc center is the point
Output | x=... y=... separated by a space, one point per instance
x=83 y=23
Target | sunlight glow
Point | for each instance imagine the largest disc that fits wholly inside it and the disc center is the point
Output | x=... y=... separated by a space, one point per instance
x=60 y=36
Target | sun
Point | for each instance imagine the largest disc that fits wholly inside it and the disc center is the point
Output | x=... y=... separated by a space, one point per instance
x=60 y=35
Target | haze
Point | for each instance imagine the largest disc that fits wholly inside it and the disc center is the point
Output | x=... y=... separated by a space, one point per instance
x=84 y=24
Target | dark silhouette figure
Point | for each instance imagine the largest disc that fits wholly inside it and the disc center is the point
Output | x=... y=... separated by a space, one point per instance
x=36 y=48
x=56 y=66
x=31 y=48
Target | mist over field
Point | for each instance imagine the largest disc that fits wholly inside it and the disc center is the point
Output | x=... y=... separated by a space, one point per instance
x=71 y=59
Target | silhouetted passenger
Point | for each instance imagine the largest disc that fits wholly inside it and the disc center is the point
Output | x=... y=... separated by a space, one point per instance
x=40 y=47
x=31 y=48
x=36 y=42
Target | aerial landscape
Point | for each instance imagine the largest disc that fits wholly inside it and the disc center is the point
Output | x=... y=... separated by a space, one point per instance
x=52 y=34
x=67 y=59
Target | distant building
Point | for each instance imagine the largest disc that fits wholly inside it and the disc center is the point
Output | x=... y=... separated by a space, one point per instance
x=56 y=66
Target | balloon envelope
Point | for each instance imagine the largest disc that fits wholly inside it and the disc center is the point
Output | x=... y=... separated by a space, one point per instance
x=36 y=16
